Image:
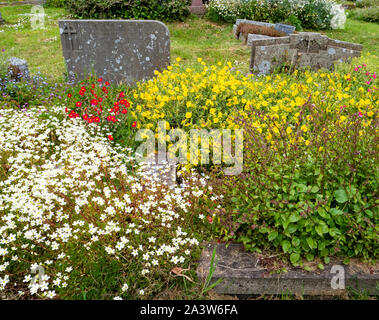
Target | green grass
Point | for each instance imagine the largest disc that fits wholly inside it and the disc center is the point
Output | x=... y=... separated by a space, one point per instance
x=190 y=40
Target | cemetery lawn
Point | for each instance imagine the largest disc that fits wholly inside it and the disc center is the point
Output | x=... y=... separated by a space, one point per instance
x=189 y=40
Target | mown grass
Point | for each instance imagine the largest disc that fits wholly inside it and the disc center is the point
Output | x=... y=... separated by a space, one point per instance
x=191 y=39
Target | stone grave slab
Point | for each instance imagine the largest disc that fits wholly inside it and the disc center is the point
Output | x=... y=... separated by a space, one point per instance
x=125 y=51
x=285 y=28
x=303 y=49
x=248 y=273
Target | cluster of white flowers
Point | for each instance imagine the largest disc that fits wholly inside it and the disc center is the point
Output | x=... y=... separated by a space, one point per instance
x=324 y=13
x=66 y=188
x=226 y=8
x=339 y=17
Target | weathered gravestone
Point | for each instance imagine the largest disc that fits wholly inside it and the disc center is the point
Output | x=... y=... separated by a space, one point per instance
x=119 y=50
x=300 y=50
x=197 y=7
x=285 y=28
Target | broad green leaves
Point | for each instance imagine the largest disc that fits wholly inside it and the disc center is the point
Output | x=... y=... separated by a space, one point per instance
x=340 y=195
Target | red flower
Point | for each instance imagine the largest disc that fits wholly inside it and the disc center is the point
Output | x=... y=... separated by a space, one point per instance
x=110 y=137
x=90 y=120
x=127 y=104
x=94 y=102
x=107 y=83
x=210 y=220
x=124 y=111
x=100 y=80
x=116 y=108
x=134 y=124
x=93 y=86
x=97 y=119
x=109 y=118
x=100 y=99
x=121 y=95
x=85 y=116
x=69 y=95
x=78 y=104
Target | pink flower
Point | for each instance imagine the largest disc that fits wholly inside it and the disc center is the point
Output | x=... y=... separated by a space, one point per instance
x=360 y=114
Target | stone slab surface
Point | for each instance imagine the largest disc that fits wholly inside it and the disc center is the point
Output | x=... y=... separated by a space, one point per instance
x=303 y=49
x=118 y=50
x=248 y=273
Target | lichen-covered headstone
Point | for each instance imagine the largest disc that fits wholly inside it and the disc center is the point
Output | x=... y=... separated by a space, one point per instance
x=125 y=51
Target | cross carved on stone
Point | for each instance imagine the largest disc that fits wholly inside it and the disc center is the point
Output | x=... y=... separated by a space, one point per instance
x=69 y=32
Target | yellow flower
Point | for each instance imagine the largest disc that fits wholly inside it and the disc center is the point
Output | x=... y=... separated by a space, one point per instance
x=307 y=142
x=188 y=115
x=304 y=128
x=289 y=130
x=178 y=59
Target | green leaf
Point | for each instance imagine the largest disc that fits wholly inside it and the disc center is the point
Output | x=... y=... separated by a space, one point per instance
x=295 y=217
x=340 y=195
x=320 y=266
x=292 y=228
x=336 y=212
x=272 y=235
x=319 y=230
x=315 y=189
x=286 y=245
x=295 y=258
x=311 y=243
x=302 y=188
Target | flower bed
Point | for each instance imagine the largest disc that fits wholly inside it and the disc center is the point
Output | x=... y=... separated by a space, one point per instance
x=78 y=220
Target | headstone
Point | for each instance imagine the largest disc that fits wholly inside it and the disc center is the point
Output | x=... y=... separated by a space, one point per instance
x=285 y=28
x=125 y=51
x=18 y=69
x=1 y=19
x=300 y=50
x=197 y=7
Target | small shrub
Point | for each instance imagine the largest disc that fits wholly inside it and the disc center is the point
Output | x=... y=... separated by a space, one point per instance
x=369 y=14
x=169 y=10
x=55 y=3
